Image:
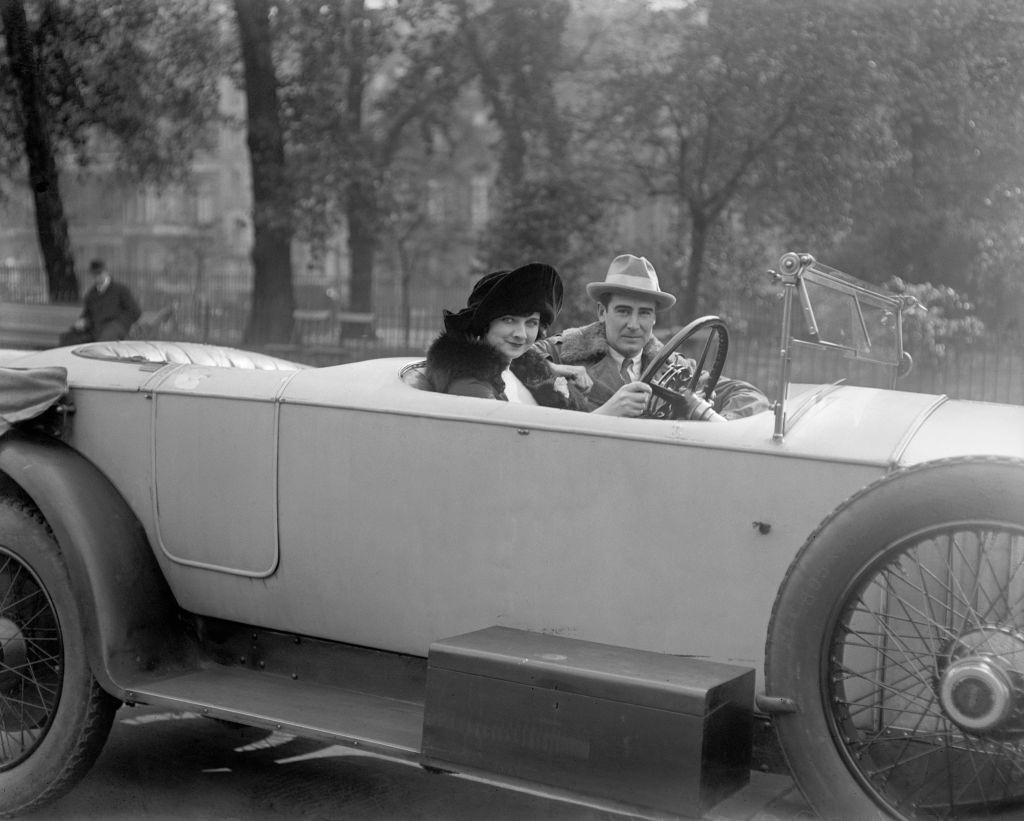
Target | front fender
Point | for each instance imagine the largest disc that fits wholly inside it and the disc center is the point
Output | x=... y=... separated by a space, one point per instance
x=131 y=619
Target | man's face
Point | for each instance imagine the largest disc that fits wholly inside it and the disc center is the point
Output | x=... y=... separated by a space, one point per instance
x=628 y=323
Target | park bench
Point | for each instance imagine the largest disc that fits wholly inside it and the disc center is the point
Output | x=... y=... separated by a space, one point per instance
x=327 y=327
x=32 y=326
x=153 y=324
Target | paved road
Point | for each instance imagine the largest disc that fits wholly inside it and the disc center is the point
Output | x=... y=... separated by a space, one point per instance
x=167 y=766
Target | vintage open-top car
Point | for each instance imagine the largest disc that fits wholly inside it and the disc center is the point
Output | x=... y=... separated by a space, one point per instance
x=597 y=608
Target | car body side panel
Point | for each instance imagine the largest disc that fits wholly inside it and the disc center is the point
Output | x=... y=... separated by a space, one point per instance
x=404 y=516
x=194 y=450
x=849 y=424
x=114 y=430
x=397 y=530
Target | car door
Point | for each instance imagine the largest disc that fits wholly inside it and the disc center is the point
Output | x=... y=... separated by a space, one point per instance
x=406 y=516
x=215 y=469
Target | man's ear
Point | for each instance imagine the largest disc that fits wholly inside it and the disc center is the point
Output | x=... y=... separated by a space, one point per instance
x=601 y=311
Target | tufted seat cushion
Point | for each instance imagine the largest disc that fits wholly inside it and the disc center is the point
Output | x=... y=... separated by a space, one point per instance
x=184 y=353
x=415 y=374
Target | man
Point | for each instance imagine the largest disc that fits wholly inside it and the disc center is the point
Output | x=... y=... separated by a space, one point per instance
x=108 y=312
x=606 y=357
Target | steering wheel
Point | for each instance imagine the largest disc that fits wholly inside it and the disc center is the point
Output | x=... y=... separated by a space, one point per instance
x=678 y=401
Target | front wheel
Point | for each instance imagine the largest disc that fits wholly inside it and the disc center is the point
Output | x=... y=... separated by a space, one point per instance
x=54 y=718
x=899 y=634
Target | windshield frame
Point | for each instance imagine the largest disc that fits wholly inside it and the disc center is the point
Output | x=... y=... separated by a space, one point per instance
x=870 y=330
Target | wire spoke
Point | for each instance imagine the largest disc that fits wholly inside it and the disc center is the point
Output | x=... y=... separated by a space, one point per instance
x=949 y=599
x=31 y=660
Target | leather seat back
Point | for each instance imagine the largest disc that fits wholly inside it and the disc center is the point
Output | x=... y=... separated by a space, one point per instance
x=415 y=375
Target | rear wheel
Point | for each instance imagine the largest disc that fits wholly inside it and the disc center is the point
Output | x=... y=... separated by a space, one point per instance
x=54 y=718
x=899 y=633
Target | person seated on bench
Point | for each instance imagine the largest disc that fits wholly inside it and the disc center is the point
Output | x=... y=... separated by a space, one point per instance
x=108 y=312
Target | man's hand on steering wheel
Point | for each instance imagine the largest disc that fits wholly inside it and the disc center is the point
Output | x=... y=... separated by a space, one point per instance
x=685 y=404
x=692 y=401
x=629 y=400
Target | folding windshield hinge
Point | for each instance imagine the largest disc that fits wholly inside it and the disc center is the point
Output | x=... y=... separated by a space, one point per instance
x=791 y=265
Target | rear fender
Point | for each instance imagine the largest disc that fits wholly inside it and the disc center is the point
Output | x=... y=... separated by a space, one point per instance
x=131 y=620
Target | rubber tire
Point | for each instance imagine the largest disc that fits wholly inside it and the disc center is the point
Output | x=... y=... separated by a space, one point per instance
x=84 y=711
x=810 y=600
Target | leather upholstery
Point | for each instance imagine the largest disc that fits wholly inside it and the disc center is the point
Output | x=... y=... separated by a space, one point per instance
x=415 y=375
x=184 y=353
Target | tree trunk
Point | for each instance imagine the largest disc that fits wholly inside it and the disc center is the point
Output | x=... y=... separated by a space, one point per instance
x=362 y=246
x=273 y=301
x=51 y=222
x=360 y=202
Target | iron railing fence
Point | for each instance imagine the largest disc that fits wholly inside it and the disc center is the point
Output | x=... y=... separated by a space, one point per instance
x=215 y=311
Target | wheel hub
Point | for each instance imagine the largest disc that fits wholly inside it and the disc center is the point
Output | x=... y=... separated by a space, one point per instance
x=981 y=686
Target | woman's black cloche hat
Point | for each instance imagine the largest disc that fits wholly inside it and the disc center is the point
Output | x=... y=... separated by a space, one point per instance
x=519 y=292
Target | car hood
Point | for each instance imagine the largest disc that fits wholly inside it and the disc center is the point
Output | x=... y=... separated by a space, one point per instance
x=898 y=428
x=959 y=428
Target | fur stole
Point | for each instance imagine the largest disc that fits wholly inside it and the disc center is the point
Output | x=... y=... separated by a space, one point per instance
x=454 y=356
x=586 y=345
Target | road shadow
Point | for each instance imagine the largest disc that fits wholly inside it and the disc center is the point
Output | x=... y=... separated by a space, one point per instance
x=184 y=767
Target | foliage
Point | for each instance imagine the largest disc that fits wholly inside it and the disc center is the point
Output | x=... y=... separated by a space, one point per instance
x=143 y=72
x=516 y=52
x=998 y=268
x=715 y=104
x=940 y=317
x=554 y=220
x=357 y=83
x=550 y=200
x=953 y=102
x=883 y=137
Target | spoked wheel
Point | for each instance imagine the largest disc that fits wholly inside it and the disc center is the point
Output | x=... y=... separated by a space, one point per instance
x=54 y=717
x=899 y=632
x=31 y=661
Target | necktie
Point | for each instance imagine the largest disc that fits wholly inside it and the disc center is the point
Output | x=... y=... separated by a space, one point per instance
x=625 y=371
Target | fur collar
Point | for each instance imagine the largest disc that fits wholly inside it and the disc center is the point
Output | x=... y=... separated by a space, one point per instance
x=577 y=346
x=455 y=356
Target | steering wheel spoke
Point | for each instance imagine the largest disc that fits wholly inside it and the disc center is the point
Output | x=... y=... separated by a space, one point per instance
x=679 y=404
x=695 y=379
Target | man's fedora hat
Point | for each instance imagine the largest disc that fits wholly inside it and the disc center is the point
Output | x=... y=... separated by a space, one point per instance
x=520 y=292
x=633 y=276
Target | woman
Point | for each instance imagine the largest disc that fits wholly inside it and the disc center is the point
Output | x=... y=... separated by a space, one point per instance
x=486 y=349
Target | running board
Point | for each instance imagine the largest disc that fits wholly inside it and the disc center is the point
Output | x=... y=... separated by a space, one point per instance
x=372 y=722
x=629 y=731
x=342 y=693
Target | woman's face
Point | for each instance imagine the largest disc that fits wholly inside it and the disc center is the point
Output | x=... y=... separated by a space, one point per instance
x=511 y=336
